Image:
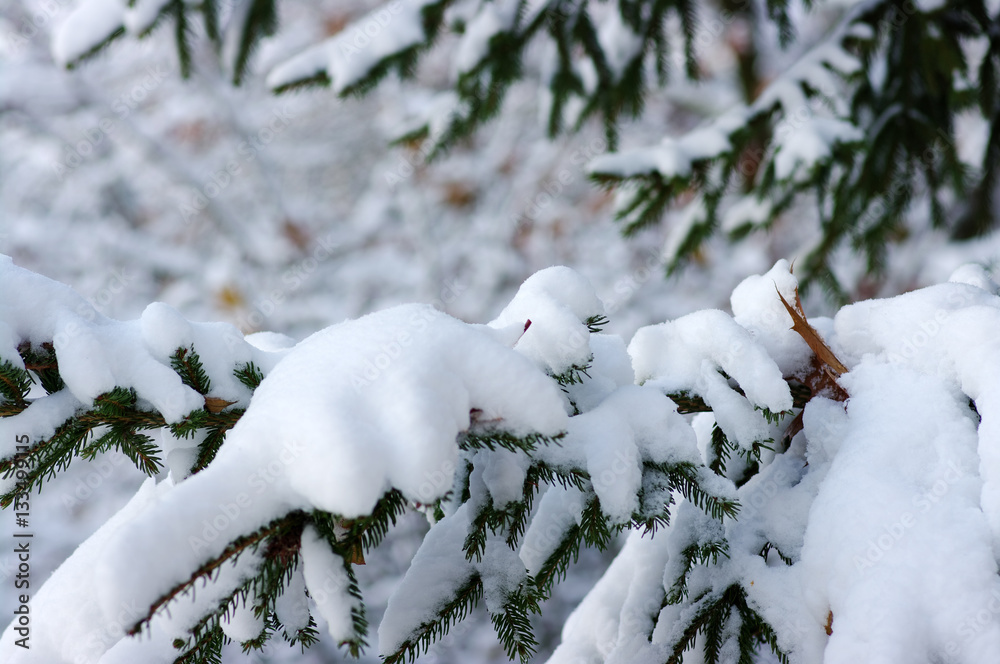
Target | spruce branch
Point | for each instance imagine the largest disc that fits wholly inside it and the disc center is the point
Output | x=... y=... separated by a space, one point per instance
x=250 y=375
x=556 y=566
x=698 y=553
x=15 y=383
x=714 y=611
x=513 y=625
x=488 y=437
x=454 y=611
x=686 y=478
x=187 y=363
x=42 y=362
x=279 y=530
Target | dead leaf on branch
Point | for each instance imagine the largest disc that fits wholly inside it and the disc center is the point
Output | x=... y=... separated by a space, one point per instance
x=216 y=405
x=826 y=368
x=810 y=335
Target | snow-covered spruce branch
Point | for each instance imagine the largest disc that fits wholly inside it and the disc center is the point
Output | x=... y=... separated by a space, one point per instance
x=797 y=525
x=226 y=572
x=862 y=147
x=857 y=125
x=596 y=56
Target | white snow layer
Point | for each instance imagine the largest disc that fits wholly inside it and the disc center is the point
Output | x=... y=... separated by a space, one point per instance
x=887 y=508
x=350 y=55
x=492 y=19
x=801 y=138
x=87 y=26
x=686 y=355
x=327 y=581
x=557 y=301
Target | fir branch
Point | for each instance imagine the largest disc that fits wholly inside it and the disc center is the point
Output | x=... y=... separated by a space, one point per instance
x=45 y=459
x=689 y=402
x=713 y=612
x=207 y=649
x=511 y=520
x=260 y=20
x=15 y=383
x=359 y=622
x=43 y=363
x=138 y=447
x=187 y=363
x=656 y=496
x=685 y=477
x=555 y=567
x=281 y=530
x=513 y=625
x=208 y=448
x=486 y=437
x=596 y=323
x=595 y=525
x=699 y=553
x=768 y=547
x=574 y=374
x=720 y=450
x=250 y=375
x=306 y=637
x=454 y=611
x=369 y=531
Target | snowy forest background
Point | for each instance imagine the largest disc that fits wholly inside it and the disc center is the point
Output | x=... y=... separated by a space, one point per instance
x=319 y=219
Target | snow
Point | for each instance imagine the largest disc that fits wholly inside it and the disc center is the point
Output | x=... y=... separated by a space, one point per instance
x=437 y=571
x=334 y=459
x=925 y=556
x=756 y=307
x=673 y=158
x=492 y=19
x=292 y=606
x=88 y=25
x=685 y=353
x=748 y=210
x=884 y=505
x=557 y=301
x=142 y=14
x=558 y=510
x=240 y=623
x=618 y=41
x=619 y=609
x=417 y=247
x=350 y=55
x=503 y=474
x=802 y=148
x=502 y=573
x=610 y=442
x=327 y=581
x=82 y=339
x=72 y=626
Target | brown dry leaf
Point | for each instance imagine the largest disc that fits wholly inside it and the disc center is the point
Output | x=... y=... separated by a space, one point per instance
x=216 y=405
x=826 y=368
x=794 y=427
x=829 y=624
x=356 y=556
x=811 y=336
x=335 y=23
x=229 y=298
x=459 y=194
x=296 y=234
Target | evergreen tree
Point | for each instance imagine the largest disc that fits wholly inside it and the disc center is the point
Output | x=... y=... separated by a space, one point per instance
x=861 y=128
x=760 y=513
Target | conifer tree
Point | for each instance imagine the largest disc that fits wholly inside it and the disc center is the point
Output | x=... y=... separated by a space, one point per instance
x=780 y=485
x=861 y=128
x=784 y=486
